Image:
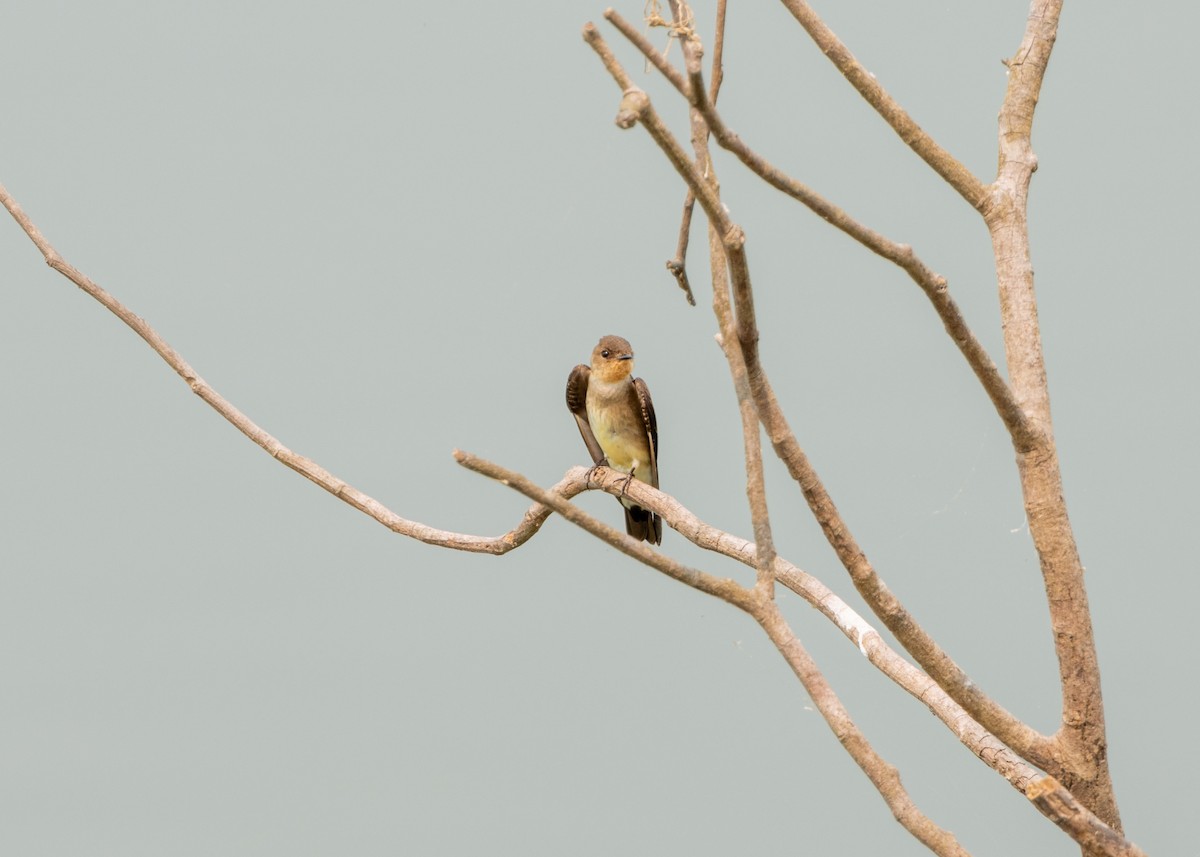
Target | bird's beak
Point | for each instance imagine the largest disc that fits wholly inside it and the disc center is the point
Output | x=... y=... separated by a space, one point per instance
x=625 y=357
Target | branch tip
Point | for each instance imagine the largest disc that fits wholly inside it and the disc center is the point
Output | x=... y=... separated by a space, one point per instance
x=633 y=103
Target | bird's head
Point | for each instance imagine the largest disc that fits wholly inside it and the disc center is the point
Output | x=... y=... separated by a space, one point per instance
x=612 y=359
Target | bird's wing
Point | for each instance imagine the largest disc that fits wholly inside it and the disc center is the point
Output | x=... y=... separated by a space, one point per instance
x=577 y=387
x=651 y=423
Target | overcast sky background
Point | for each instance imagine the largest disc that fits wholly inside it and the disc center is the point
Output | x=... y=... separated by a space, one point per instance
x=387 y=231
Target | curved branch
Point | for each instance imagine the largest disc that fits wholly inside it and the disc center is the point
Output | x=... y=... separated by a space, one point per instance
x=306 y=467
x=943 y=163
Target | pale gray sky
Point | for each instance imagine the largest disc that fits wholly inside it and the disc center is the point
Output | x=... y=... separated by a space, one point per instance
x=384 y=232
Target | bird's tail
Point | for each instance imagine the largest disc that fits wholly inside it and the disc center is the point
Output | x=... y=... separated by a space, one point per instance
x=643 y=525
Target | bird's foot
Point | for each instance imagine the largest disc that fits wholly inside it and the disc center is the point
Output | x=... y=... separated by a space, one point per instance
x=587 y=477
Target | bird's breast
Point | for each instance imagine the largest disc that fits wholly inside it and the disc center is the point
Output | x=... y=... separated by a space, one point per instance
x=616 y=422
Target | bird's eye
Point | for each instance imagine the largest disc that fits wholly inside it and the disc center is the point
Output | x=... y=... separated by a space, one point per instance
x=606 y=353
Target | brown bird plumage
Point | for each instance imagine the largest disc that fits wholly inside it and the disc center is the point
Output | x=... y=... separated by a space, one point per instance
x=616 y=419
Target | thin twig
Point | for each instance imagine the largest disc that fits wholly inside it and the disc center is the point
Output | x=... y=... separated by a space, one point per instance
x=677 y=265
x=717 y=74
x=943 y=163
x=651 y=53
x=682 y=20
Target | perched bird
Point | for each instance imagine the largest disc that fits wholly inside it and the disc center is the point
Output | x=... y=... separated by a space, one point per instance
x=616 y=418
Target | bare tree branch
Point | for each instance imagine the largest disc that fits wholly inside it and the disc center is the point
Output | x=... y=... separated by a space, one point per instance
x=678 y=265
x=723 y=588
x=717 y=74
x=1080 y=823
x=635 y=107
x=755 y=484
x=1081 y=746
x=943 y=163
x=882 y=775
x=756 y=493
